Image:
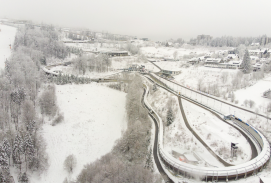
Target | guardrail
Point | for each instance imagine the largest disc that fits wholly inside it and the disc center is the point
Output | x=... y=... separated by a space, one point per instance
x=205 y=173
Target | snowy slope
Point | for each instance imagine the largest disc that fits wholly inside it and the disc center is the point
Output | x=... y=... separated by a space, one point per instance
x=7 y=36
x=255 y=93
x=94 y=118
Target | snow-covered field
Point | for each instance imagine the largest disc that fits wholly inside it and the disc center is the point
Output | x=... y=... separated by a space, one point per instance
x=94 y=117
x=7 y=36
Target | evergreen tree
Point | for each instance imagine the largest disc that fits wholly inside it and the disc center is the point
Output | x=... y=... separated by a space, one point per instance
x=17 y=149
x=30 y=127
x=23 y=178
x=170 y=117
x=28 y=148
x=3 y=158
x=2 y=178
x=246 y=64
x=7 y=148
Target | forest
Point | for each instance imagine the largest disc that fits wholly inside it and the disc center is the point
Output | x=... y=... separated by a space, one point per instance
x=26 y=97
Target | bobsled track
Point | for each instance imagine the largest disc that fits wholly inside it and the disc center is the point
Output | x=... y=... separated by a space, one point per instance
x=176 y=168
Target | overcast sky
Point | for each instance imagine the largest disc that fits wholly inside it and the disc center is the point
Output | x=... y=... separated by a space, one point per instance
x=155 y=19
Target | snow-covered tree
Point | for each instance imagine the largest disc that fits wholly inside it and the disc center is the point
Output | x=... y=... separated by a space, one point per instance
x=175 y=55
x=28 y=148
x=246 y=64
x=6 y=147
x=154 y=87
x=17 y=149
x=149 y=162
x=3 y=157
x=70 y=163
x=23 y=178
x=170 y=116
x=2 y=178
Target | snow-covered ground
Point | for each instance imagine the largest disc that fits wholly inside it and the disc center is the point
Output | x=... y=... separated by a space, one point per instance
x=217 y=134
x=167 y=52
x=255 y=93
x=177 y=136
x=94 y=117
x=7 y=36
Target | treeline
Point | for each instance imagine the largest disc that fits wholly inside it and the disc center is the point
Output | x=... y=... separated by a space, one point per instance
x=131 y=157
x=62 y=79
x=21 y=145
x=92 y=63
x=44 y=42
x=229 y=41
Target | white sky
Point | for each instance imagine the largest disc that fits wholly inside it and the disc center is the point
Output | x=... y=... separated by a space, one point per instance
x=155 y=19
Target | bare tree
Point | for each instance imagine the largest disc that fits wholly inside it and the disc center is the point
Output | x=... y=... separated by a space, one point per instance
x=200 y=84
x=224 y=77
x=175 y=55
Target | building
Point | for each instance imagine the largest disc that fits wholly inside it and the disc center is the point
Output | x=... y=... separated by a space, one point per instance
x=231 y=52
x=216 y=63
x=171 y=72
x=116 y=53
x=255 y=44
x=169 y=44
x=254 y=59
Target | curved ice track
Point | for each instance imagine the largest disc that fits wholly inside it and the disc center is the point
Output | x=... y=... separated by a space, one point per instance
x=205 y=173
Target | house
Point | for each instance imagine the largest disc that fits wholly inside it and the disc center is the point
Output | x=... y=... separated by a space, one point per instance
x=255 y=44
x=231 y=52
x=169 y=44
x=257 y=66
x=116 y=53
x=254 y=59
x=213 y=60
x=196 y=60
x=216 y=63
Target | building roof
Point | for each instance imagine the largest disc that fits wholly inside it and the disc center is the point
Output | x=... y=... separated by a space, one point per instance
x=190 y=157
x=213 y=60
x=180 y=151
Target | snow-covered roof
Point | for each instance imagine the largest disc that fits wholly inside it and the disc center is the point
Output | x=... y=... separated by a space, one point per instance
x=190 y=157
x=180 y=151
x=254 y=57
x=216 y=60
x=234 y=62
